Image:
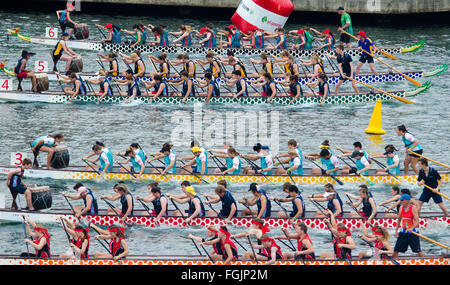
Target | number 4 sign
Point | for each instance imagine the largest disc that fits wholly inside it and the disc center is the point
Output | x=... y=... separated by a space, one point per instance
x=51 y=33
x=5 y=85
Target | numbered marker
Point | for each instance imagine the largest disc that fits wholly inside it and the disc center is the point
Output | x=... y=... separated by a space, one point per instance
x=51 y=33
x=41 y=66
x=17 y=158
x=5 y=85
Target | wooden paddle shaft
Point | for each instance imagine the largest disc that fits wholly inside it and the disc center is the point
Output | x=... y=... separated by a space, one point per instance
x=431 y=240
x=441 y=164
x=434 y=190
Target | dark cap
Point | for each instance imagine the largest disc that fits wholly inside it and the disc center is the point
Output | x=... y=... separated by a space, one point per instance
x=340 y=8
x=356 y=154
x=26 y=53
x=253 y=187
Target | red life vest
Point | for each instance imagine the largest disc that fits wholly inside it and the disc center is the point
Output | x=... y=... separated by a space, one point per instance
x=300 y=246
x=116 y=247
x=407 y=218
x=268 y=250
x=79 y=243
x=341 y=253
x=44 y=252
x=233 y=249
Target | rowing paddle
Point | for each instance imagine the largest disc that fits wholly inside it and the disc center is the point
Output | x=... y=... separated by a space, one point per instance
x=437 y=192
x=292 y=247
x=147 y=209
x=386 y=54
x=192 y=173
x=360 y=175
x=181 y=213
x=431 y=240
x=324 y=171
x=114 y=210
x=384 y=167
x=253 y=250
x=401 y=99
x=90 y=165
x=288 y=172
x=25 y=232
x=257 y=168
x=68 y=237
x=427 y=158
x=80 y=220
x=125 y=168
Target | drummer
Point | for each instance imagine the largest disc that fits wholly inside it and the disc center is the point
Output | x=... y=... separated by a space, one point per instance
x=63 y=52
x=126 y=200
x=16 y=186
x=45 y=144
x=90 y=203
x=23 y=73
x=104 y=155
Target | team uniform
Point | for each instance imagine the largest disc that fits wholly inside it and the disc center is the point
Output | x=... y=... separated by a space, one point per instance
x=104 y=157
x=345 y=19
x=301 y=247
x=392 y=161
x=408 y=141
x=15 y=182
x=332 y=208
x=157 y=206
x=227 y=201
x=344 y=60
x=94 y=206
x=367 y=45
x=432 y=180
x=298 y=161
x=330 y=163
x=268 y=209
x=405 y=238
x=192 y=209
x=295 y=208
x=124 y=203
x=185 y=88
x=134 y=86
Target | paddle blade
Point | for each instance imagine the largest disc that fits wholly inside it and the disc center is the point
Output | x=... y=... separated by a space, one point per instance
x=388 y=55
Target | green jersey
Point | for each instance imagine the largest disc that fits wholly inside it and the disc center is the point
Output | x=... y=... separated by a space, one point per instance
x=345 y=19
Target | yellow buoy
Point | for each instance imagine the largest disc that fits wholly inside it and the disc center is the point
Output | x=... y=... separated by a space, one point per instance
x=375 y=121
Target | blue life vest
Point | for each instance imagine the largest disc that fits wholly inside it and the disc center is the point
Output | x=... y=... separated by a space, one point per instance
x=192 y=207
x=123 y=201
x=94 y=206
x=236 y=40
x=167 y=163
x=268 y=210
x=295 y=208
x=103 y=163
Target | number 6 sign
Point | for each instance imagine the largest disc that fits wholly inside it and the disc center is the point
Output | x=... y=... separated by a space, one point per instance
x=41 y=66
x=17 y=158
x=51 y=33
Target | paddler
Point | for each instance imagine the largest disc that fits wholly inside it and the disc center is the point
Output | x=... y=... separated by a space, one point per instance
x=184 y=36
x=367 y=48
x=223 y=153
x=288 y=64
x=299 y=34
x=160 y=39
x=212 y=87
x=408 y=220
x=268 y=85
x=396 y=203
x=229 y=206
x=104 y=155
x=298 y=205
x=114 y=34
x=258 y=229
x=292 y=145
x=117 y=245
x=328 y=39
x=256 y=39
x=123 y=194
x=317 y=63
x=329 y=161
x=235 y=167
x=90 y=203
x=139 y=66
x=240 y=83
x=133 y=85
x=266 y=62
x=209 y=37
x=343 y=243
x=104 y=84
x=280 y=39
x=16 y=186
x=64 y=19
x=357 y=146
x=430 y=177
x=235 y=37
x=212 y=235
x=22 y=73
x=214 y=67
x=295 y=164
x=164 y=66
x=411 y=143
x=380 y=239
x=369 y=208
x=228 y=248
x=260 y=199
x=392 y=160
x=305 y=248
x=170 y=159
x=137 y=164
x=63 y=52
x=188 y=65
x=361 y=162
x=139 y=37
x=46 y=144
x=322 y=84
x=235 y=63
x=345 y=66
x=331 y=196
x=188 y=85
x=79 y=241
x=196 y=207
x=346 y=25
x=159 y=201
x=270 y=251
x=111 y=58
x=161 y=88
x=79 y=87
x=266 y=161
x=199 y=158
x=42 y=239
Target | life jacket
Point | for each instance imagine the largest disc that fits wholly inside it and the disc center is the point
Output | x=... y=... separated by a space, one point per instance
x=137 y=69
x=44 y=252
x=239 y=86
x=186 y=67
x=341 y=253
x=267 y=251
x=94 y=205
x=192 y=207
x=18 y=69
x=124 y=202
x=79 y=243
x=116 y=247
x=301 y=247
x=233 y=249
x=185 y=88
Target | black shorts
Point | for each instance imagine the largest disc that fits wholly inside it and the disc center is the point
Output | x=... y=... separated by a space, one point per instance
x=66 y=25
x=418 y=152
x=344 y=38
x=366 y=58
x=346 y=74
x=407 y=239
x=279 y=257
x=20 y=189
x=427 y=194
x=56 y=58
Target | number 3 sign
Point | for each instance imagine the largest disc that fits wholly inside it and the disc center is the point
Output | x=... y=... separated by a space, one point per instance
x=17 y=158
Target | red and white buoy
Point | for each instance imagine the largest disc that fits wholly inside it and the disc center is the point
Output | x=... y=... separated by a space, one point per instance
x=264 y=14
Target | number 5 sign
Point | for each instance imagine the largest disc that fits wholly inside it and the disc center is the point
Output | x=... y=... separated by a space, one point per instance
x=17 y=158
x=41 y=66
x=51 y=33
x=5 y=85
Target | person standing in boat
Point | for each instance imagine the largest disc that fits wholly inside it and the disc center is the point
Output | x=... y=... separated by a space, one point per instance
x=22 y=73
x=126 y=200
x=331 y=196
x=229 y=206
x=298 y=205
x=113 y=64
x=369 y=208
x=346 y=25
x=79 y=86
x=46 y=144
x=305 y=248
x=392 y=160
x=63 y=52
x=114 y=34
x=16 y=186
x=260 y=199
x=430 y=177
x=117 y=245
x=345 y=68
x=104 y=155
x=65 y=21
x=266 y=161
x=408 y=221
x=196 y=207
x=367 y=48
x=42 y=239
x=411 y=143
x=90 y=203
x=159 y=201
